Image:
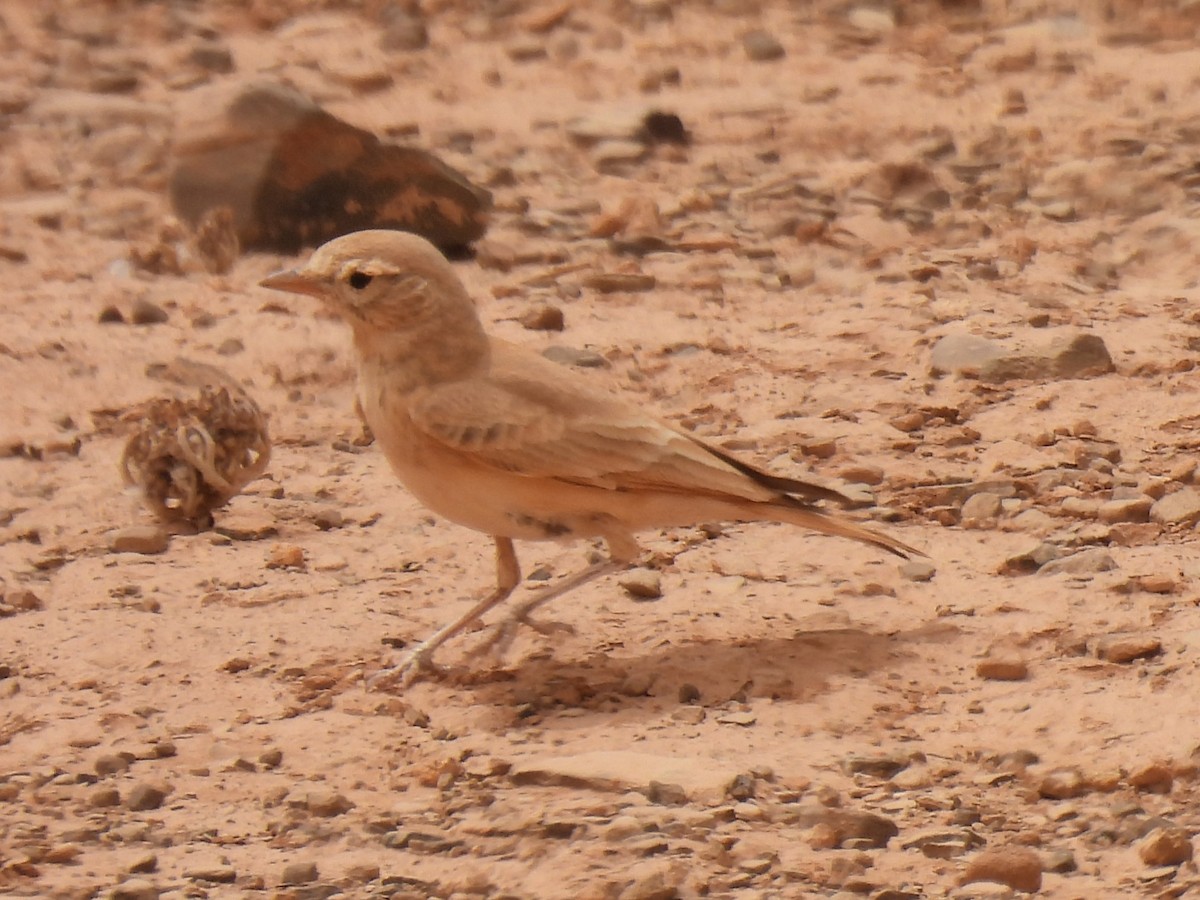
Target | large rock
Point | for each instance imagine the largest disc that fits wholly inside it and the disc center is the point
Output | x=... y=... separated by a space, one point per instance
x=1069 y=354
x=296 y=176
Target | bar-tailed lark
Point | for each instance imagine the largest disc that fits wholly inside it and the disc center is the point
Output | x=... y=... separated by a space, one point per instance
x=495 y=437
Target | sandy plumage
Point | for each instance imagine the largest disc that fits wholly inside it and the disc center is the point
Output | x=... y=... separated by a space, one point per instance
x=495 y=437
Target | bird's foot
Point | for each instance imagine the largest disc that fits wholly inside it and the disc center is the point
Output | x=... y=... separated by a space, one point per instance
x=417 y=662
x=504 y=632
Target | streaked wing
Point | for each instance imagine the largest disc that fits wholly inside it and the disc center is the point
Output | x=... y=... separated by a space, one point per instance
x=537 y=418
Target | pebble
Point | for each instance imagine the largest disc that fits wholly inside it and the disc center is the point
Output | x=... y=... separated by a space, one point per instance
x=625 y=770
x=143 y=864
x=760 y=46
x=144 y=796
x=1085 y=562
x=1002 y=668
x=1031 y=560
x=1154 y=778
x=543 y=318
x=1157 y=584
x=61 y=854
x=642 y=584
x=23 y=600
x=271 y=759
x=243 y=525
x=862 y=473
x=1018 y=867
x=943 y=843
x=983 y=890
x=213 y=874
x=981 y=507
x=871 y=19
x=143 y=312
x=134 y=889
x=112 y=763
x=1178 y=508
x=327 y=804
x=1166 y=846
x=744 y=719
x=1125 y=648
x=104 y=797
x=613 y=282
x=286 y=556
x=1061 y=862
x=876 y=766
x=614 y=157
x=145 y=539
x=918 y=570
x=1130 y=510
x=841 y=825
x=569 y=356
x=652 y=880
x=622 y=827
x=299 y=873
x=1062 y=784
x=1073 y=354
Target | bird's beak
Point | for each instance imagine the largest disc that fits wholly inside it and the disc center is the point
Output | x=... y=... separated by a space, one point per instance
x=294 y=281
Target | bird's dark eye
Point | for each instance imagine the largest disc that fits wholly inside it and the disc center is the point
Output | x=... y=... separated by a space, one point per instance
x=359 y=280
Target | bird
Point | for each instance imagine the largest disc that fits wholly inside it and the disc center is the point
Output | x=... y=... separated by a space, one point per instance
x=493 y=436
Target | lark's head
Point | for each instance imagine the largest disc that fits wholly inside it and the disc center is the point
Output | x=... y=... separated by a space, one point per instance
x=389 y=281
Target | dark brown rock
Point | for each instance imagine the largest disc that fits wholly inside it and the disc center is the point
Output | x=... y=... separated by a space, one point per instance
x=294 y=175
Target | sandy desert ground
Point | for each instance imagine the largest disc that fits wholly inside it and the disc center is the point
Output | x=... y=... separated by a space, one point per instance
x=944 y=251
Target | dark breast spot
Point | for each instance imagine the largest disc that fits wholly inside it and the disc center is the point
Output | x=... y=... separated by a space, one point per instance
x=547 y=527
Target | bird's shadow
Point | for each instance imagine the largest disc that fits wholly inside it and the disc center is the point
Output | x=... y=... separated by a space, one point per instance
x=555 y=691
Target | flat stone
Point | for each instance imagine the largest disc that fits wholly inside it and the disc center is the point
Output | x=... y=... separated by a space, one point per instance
x=1085 y=562
x=1069 y=354
x=299 y=873
x=918 y=570
x=943 y=843
x=212 y=874
x=876 y=766
x=1180 y=507
x=844 y=825
x=246 y=525
x=145 y=539
x=1125 y=648
x=642 y=584
x=626 y=770
x=963 y=354
x=1131 y=510
x=1018 y=867
x=616 y=282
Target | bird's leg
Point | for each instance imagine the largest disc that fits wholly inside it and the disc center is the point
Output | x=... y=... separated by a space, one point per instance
x=622 y=549
x=508 y=576
x=505 y=630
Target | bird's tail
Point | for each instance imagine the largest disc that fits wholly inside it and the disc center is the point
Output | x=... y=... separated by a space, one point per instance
x=833 y=524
